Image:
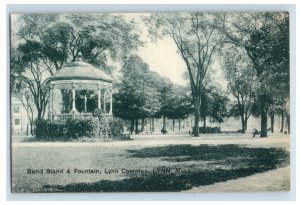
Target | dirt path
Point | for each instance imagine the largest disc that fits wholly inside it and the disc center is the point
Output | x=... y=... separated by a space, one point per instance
x=274 y=180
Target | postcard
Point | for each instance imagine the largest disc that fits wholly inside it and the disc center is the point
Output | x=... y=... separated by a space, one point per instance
x=150 y=102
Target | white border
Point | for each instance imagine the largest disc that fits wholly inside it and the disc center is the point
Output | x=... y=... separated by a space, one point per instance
x=140 y=8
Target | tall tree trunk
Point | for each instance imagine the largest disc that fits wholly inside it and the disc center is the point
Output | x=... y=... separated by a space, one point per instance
x=39 y=113
x=31 y=128
x=143 y=125
x=246 y=124
x=264 y=119
x=272 y=121
x=196 y=118
x=153 y=124
x=164 y=123
x=282 y=121
x=243 y=123
x=173 y=125
x=132 y=126
x=179 y=124
x=264 y=125
x=204 y=124
x=136 y=124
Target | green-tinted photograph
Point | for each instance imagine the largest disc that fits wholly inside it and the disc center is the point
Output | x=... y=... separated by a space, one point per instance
x=150 y=102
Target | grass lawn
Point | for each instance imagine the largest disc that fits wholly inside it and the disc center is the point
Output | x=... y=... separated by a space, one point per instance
x=156 y=165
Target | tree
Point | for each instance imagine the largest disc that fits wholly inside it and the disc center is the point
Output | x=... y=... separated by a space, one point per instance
x=51 y=38
x=47 y=41
x=260 y=35
x=180 y=106
x=279 y=61
x=214 y=104
x=196 y=42
x=136 y=98
x=279 y=107
x=166 y=95
x=143 y=94
x=62 y=37
x=153 y=80
x=175 y=102
x=28 y=74
x=270 y=43
x=241 y=82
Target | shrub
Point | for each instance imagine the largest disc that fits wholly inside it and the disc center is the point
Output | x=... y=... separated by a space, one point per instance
x=117 y=129
x=104 y=128
x=80 y=128
x=90 y=127
x=71 y=129
x=116 y=126
x=41 y=128
x=56 y=130
x=45 y=129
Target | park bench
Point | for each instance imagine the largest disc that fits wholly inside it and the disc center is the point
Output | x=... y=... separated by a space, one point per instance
x=164 y=131
x=255 y=132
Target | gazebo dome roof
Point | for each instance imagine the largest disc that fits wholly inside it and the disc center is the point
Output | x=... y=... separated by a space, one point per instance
x=80 y=70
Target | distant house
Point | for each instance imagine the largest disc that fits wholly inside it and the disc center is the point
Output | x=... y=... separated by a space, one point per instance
x=19 y=119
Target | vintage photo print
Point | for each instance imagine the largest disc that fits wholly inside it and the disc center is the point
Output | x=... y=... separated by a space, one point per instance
x=150 y=102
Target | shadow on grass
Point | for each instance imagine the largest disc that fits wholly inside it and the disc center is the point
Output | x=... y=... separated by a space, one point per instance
x=229 y=155
x=243 y=161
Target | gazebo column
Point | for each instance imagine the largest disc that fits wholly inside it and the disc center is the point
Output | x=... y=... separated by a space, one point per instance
x=85 y=100
x=104 y=101
x=110 y=107
x=73 y=110
x=99 y=98
x=51 y=102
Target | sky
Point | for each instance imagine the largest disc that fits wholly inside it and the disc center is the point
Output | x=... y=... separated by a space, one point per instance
x=162 y=56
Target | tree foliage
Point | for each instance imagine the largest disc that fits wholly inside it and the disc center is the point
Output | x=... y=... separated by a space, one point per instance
x=62 y=37
x=214 y=104
x=196 y=41
x=28 y=75
x=135 y=98
x=43 y=43
x=144 y=94
x=241 y=78
x=265 y=39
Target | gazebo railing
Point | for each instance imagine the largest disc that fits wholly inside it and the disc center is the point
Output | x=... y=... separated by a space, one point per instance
x=83 y=116
x=62 y=117
x=66 y=116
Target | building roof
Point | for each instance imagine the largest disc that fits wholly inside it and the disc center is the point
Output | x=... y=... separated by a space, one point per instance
x=80 y=70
